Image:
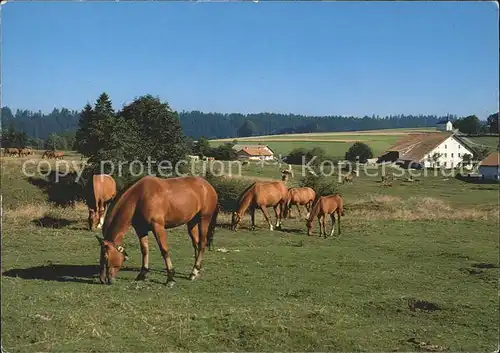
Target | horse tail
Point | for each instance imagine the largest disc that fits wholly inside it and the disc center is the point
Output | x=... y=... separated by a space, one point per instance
x=211 y=227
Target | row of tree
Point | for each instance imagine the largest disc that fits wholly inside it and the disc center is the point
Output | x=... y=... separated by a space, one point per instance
x=196 y=124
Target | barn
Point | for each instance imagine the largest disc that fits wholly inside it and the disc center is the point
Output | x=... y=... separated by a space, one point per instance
x=441 y=150
x=489 y=167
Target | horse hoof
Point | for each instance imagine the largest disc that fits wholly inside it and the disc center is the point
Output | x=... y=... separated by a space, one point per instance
x=192 y=276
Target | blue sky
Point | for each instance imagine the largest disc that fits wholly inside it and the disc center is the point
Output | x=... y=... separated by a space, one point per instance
x=314 y=58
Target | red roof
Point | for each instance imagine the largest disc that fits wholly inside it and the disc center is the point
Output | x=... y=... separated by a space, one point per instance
x=256 y=151
x=492 y=160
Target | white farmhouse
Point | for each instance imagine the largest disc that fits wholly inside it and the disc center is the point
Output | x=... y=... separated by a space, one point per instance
x=428 y=150
x=489 y=167
x=444 y=125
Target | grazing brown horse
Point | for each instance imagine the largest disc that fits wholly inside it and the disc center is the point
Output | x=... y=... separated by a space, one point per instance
x=48 y=154
x=100 y=191
x=155 y=204
x=261 y=194
x=11 y=151
x=325 y=205
x=299 y=196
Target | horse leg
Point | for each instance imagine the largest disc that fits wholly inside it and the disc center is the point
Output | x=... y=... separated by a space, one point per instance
x=193 y=231
x=266 y=216
x=101 y=210
x=320 y=225
x=252 y=218
x=203 y=234
x=161 y=238
x=338 y=218
x=298 y=209
x=332 y=216
x=323 y=221
x=143 y=240
x=277 y=213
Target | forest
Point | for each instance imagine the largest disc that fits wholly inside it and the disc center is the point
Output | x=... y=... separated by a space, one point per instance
x=58 y=127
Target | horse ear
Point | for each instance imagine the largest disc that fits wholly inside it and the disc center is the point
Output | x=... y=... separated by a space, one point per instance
x=100 y=240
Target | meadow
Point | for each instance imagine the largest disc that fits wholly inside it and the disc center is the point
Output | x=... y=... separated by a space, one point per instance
x=336 y=144
x=415 y=269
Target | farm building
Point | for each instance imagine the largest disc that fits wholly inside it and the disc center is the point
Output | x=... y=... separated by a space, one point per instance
x=427 y=150
x=444 y=125
x=253 y=152
x=489 y=167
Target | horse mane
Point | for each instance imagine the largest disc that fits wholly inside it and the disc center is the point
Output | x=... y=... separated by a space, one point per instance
x=116 y=199
x=246 y=191
x=314 y=208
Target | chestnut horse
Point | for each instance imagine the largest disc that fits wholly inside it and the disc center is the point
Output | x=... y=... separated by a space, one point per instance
x=325 y=205
x=299 y=196
x=155 y=204
x=261 y=194
x=100 y=191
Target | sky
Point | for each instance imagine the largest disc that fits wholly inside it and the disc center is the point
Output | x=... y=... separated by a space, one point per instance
x=313 y=58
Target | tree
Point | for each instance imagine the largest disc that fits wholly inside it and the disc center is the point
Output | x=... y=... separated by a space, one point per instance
x=247 y=129
x=467 y=158
x=469 y=125
x=201 y=147
x=14 y=138
x=147 y=128
x=95 y=127
x=56 y=142
x=359 y=151
x=492 y=123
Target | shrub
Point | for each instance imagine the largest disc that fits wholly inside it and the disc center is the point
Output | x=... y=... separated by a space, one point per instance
x=322 y=185
x=361 y=150
x=228 y=190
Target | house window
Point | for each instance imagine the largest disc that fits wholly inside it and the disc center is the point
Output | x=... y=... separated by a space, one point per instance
x=444 y=164
x=458 y=146
x=445 y=146
x=445 y=155
x=452 y=155
x=437 y=163
x=459 y=153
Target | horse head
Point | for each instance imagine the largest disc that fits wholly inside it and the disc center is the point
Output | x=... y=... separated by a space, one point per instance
x=112 y=258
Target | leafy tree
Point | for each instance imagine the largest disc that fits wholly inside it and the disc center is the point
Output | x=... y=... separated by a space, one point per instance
x=480 y=153
x=359 y=150
x=492 y=123
x=467 y=158
x=247 y=129
x=56 y=142
x=201 y=147
x=14 y=138
x=224 y=152
x=469 y=125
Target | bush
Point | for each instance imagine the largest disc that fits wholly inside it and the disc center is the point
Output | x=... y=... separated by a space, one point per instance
x=297 y=155
x=228 y=190
x=322 y=185
x=361 y=150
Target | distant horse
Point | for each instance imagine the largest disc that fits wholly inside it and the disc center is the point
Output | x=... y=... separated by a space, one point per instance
x=24 y=152
x=100 y=191
x=299 y=196
x=11 y=151
x=348 y=178
x=58 y=155
x=261 y=195
x=155 y=204
x=48 y=154
x=325 y=205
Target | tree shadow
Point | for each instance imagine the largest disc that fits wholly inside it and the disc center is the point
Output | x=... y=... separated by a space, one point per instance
x=61 y=189
x=71 y=273
x=52 y=222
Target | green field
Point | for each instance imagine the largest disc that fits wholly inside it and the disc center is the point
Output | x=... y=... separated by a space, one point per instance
x=415 y=269
x=335 y=144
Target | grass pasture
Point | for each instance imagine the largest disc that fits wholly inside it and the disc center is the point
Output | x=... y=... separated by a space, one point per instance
x=415 y=269
x=334 y=143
